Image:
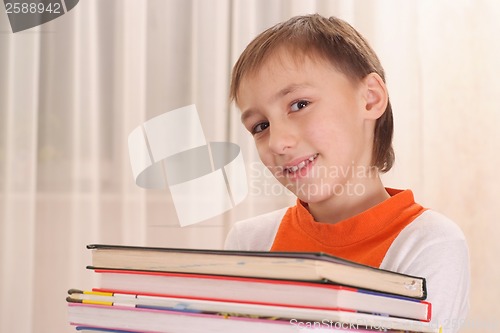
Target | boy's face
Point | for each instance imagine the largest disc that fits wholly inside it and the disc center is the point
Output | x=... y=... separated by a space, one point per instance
x=309 y=123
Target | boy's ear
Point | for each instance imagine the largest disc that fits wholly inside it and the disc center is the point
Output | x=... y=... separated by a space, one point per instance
x=376 y=96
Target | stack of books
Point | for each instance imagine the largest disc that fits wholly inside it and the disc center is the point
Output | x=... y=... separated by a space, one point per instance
x=168 y=290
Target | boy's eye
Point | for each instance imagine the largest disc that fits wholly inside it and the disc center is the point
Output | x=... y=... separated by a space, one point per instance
x=260 y=127
x=298 y=105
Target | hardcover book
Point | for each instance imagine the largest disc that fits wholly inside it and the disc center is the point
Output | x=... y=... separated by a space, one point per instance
x=299 y=266
x=263 y=291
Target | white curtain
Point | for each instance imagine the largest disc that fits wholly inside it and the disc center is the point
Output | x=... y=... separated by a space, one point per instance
x=72 y=90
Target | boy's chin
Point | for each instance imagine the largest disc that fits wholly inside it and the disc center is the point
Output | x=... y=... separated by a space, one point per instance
x=311 y=198
x=326 y=193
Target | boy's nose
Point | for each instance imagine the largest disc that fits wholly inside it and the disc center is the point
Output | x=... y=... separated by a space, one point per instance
x=281 y=138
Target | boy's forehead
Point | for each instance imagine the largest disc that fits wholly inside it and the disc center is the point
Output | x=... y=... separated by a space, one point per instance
x=283 y=61
x=270 y=69
x=280 y=62
x=279 y=74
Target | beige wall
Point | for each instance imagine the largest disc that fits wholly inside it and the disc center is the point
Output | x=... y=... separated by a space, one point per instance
x=447 y=106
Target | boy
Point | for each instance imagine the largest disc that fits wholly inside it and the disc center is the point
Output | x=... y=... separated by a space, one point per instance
x=312 y=93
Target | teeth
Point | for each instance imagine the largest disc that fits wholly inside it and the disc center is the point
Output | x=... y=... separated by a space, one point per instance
x=302 y=164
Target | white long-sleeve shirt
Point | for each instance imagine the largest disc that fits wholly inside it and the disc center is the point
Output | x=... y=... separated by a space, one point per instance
x=427 y=244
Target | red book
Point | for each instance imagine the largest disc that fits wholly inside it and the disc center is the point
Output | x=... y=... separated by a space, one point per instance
x=272 y=292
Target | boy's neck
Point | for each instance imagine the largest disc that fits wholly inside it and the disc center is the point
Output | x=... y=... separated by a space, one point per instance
x=339 y=208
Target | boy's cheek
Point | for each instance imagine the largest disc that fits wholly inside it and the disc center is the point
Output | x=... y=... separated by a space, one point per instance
x=264 y=153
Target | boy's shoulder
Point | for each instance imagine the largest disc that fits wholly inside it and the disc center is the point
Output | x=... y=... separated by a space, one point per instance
x=434 y=247
x=434 y=226
x=427 y=238
x=256 y=233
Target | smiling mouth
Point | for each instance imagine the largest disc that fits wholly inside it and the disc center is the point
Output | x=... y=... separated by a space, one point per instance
x=293 y=169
